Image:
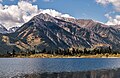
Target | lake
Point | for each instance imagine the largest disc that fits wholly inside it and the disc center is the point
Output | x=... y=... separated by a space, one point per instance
x=11 y=67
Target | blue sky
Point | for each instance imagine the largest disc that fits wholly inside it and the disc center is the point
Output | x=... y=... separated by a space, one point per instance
x=87 y=9
x=106 y=11
x=83 y=9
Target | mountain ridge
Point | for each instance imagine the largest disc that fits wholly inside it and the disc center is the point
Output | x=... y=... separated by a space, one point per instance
x=45 y=31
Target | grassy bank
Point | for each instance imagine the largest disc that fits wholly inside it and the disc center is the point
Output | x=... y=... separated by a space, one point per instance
x=42 y=55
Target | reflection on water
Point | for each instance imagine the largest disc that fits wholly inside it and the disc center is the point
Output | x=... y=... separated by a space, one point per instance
x=10 y=67
x=112 y=73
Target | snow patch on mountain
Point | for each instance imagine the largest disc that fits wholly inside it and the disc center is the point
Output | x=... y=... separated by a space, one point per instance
x=3 y=29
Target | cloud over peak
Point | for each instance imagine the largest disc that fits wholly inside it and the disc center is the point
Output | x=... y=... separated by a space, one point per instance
x=55 y=13
x=16 y=15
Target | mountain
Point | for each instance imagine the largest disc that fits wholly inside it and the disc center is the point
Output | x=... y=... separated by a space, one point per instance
x=45 y=31
x=13 y=29
x=99 y=34
x=48 y=32
x=3 y=29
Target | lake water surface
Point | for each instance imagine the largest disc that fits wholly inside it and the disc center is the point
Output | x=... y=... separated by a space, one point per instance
x=10 y=67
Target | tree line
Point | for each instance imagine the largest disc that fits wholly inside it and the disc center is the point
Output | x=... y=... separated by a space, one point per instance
x=70 y=52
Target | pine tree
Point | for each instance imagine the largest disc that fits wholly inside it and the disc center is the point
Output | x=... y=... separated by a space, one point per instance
x=13 y=53
x=110 y=50
x=33 y=52
x=73 y=51
x=44 y=51
x=85 y=51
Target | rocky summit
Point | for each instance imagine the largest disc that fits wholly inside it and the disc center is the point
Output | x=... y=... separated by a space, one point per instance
x=45 y=31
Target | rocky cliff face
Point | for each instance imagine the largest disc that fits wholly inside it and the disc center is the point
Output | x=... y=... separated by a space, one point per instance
x=45 y=31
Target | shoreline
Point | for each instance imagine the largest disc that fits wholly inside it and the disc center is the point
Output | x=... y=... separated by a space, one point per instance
x=42 y=55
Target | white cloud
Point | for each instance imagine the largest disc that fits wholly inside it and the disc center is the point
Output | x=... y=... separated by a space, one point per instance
x=1 y=0
x=115 y=20
x=29 y=0
x=1 y=6
x=112 y=19
x=16 y=15
x=47 y=0
x=34 y=0
x=115 y=3
x=103 y=2
x=55 y=13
